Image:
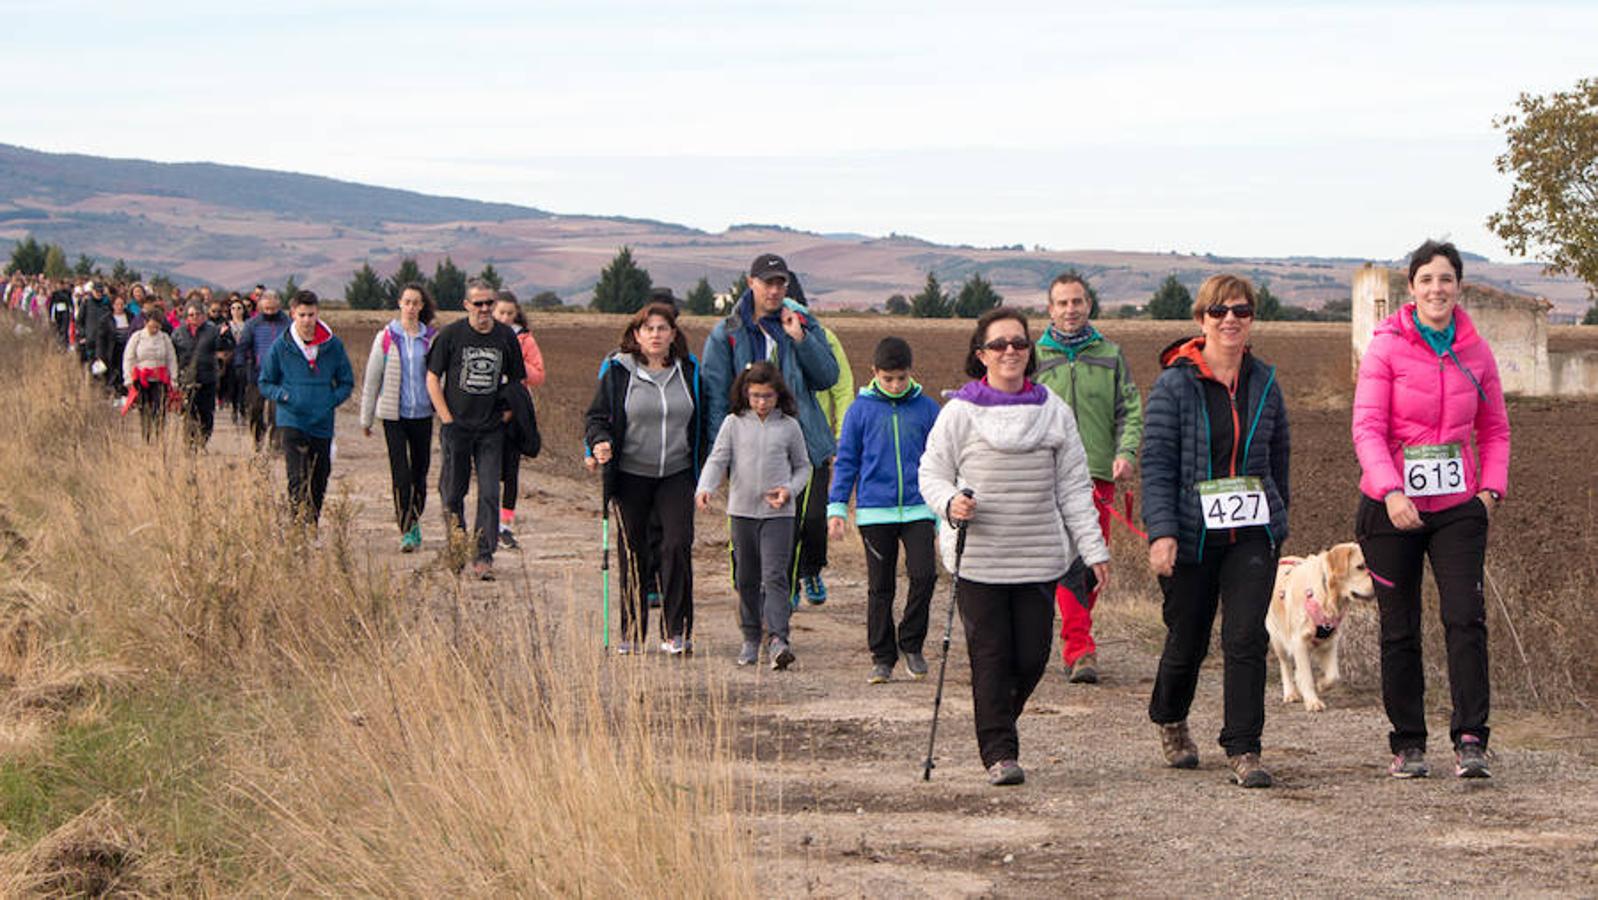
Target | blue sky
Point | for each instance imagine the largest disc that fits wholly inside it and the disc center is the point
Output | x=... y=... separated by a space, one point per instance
x=1348 y=129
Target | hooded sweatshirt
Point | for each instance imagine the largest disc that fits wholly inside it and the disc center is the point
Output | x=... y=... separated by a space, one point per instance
x=879 y=455
x=1022 y=458
x=308 y=379
x=760 y=454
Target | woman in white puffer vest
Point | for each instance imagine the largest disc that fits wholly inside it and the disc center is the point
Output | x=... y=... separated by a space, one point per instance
x=1014 y=444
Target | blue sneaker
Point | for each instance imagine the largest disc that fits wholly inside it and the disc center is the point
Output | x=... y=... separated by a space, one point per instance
x=815 y=590
x=411 y=541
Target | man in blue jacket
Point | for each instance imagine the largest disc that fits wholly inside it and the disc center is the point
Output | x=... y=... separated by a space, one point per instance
x=307 y=374
x=259 y=334
x=765 y=325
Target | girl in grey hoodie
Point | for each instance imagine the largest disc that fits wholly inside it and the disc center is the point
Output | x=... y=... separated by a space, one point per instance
x=762 y=446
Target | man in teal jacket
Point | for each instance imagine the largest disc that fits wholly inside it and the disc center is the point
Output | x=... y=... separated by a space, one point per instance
x=1090 y=374
x=307 y=374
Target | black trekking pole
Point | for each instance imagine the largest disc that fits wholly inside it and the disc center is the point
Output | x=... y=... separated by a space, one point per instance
x=948 y=632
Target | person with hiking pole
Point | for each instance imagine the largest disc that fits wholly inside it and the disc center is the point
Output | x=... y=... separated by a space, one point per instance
x=395 y=392
x=1091 y=375
x=1014 y=443
x=307 y=374
x=646 y=427
x=470 y=362
x=1432 y=436
x=1215 y=499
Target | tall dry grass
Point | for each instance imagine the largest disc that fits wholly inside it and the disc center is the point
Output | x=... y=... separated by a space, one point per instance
x=199 y=698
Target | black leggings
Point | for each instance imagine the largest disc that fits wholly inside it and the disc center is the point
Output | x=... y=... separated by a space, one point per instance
x=510 y=474
x=1239 y=578
x=410 y=454
x=1455 y=540
x=1009 y=629
x=670 y=501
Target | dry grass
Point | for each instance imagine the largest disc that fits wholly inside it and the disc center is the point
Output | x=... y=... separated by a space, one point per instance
x=197 y=697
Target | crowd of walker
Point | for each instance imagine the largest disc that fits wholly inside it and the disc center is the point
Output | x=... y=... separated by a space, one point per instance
x=1014 y=477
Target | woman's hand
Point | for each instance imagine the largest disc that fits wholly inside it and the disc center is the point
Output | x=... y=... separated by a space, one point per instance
x=602 y=452
x=962 y=508
x=777 y=497
x=367 y=430
x=1401 y=511
x=1162 y=556
x=702 y=500
x=1487 y=501
x=835 y=528
x=1101 y=571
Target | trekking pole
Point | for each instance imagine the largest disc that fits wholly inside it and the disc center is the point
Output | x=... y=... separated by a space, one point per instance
x=604 y=565
x=948 y=632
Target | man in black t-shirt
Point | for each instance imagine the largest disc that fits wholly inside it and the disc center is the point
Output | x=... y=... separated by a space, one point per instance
x=468 y=363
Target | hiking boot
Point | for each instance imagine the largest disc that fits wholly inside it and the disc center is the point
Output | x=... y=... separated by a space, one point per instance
x=1409 y=762
x=881 y=673
x=483 y=570
x=507 y=538
x=1247 y=771
x=916 y=665
x=781 y=655
x=1085 y=670
x=749 y=653
x=1005 y=772
x=677 y=646
x=411 y=541
x=1177 y=745
x=1470 y=759
x=815 y=589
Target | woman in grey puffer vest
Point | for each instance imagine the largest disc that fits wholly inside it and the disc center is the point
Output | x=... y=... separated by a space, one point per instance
x=1014 y=444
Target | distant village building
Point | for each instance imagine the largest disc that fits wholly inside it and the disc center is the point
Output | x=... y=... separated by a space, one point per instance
x=1515 y=325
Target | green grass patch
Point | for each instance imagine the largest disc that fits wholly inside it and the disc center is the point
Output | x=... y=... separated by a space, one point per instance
x=154 y=753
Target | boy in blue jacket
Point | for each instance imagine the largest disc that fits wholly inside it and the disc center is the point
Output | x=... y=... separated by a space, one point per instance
x=884 y=434
x=307 y=374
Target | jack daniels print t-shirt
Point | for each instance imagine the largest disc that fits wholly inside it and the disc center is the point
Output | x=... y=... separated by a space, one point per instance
x=472 y=366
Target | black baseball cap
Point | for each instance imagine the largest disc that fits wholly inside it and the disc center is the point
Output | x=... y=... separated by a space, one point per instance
x=767 y=265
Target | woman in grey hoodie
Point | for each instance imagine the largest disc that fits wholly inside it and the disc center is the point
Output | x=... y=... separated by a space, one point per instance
x=1014 y=445
x=761 y=444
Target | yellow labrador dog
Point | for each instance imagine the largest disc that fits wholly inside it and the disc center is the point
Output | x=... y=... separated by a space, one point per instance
x=1312 y=595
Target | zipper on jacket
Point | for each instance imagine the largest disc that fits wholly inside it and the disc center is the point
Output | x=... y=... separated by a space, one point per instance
x=898 y=459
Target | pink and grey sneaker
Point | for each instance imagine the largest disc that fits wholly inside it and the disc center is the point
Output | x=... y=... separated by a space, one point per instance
x=1470 y=758
x=1409 y=762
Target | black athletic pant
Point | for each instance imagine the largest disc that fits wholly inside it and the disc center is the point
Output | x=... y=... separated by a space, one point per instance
x=1009 y=629
x=152 y=409
x=464 y=450
x=642 y=499
x=309 y=461
x=810 y=525
x=261 y=414
x=1456 y=541
x=200 y=408
x=882 y=570
x=510 y=474
x=1239 y=578
x=410 y=454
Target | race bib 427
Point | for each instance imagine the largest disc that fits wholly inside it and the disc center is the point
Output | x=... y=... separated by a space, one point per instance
x=1233 y=503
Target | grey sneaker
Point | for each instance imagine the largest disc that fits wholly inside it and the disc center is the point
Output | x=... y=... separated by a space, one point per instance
x=749 y=653
x=1247 y=771
x=1085 y=670
x=781 y=655
x=916 y=665
x=626 y=648
x=881 y=673
x=677 y=646
x=1177 y=745
x=1409 y=762
x=1006 y=772
x=1470 y=760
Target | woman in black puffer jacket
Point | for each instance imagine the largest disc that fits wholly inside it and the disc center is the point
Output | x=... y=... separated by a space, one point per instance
x=1215 y=502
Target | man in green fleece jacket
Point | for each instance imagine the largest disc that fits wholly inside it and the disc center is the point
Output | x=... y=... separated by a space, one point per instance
x=1090 y=374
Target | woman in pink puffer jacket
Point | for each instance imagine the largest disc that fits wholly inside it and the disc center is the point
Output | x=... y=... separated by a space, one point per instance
x=1432 y=436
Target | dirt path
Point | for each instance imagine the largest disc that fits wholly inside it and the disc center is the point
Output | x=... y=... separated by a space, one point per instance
x=838 y=807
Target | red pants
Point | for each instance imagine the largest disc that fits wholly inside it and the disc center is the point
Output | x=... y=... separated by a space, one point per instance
x=1076 y=613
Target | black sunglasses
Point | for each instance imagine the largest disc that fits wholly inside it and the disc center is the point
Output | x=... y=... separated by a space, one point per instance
x=480 y=304
x=1241 y=310
x=999 y=345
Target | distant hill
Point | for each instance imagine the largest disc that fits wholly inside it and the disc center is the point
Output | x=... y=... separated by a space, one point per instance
x=233 y=226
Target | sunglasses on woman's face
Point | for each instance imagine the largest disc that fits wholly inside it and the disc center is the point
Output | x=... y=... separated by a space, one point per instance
x=1241 y=310
x=999 y=345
